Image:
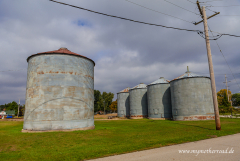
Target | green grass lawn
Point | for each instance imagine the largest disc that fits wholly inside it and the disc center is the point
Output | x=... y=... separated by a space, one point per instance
x=109 y=138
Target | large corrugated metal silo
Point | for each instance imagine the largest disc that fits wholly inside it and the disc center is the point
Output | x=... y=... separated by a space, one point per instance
x=138 y=102
x=123 y=103
x=60 y=92
x=159 y=99
x=191 y=97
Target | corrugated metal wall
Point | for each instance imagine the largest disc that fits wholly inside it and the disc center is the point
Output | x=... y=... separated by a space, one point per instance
x=159 y=101
x=60 y=93
x=138 y=103
x=192 y=99
x=123 y=104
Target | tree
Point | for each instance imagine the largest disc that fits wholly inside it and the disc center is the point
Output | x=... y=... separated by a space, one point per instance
x=99 y=100
x=107 y=97
x=21 y=110
x=223 y=103
x=2 y=107
x=113 y=106
x=12 y=106
x=236 y=99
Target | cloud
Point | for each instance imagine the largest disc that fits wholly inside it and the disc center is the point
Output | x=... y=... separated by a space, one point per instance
x=125 y=53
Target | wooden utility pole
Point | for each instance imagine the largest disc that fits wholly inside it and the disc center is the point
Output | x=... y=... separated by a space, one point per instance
x=226 y=86
x=227 y=92
x=213 y=84
x=18 y=108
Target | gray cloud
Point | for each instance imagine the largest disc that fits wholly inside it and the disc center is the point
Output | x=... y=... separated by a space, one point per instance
x=125 y=53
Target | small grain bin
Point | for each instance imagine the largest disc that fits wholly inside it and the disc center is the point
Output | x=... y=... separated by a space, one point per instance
x=60 y=92
x=138 y=102
x=159 y=99
x=123 y=103
x=191 y=97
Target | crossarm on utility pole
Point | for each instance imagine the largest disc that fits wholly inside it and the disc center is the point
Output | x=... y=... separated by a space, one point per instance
x=196 y=23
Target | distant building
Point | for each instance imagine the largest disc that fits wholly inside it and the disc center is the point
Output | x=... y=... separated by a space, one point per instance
x=10 y=112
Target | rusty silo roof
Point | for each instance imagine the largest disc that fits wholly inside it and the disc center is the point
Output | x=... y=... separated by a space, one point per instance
x=126 y=90
x=161 y=80
x=60 y=51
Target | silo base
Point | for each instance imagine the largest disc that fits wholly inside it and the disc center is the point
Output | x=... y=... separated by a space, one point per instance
x=192 y=118
x=66 y=130
x=138 y=117
x=160 y=118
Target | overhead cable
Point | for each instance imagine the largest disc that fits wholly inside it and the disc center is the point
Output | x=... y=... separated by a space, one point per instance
x=191 y=2
x=158 y=11
x=12 y=70
x=180 y=7
x=225 y=59
x=125 y=18
x=135 y=20
x=225 y=6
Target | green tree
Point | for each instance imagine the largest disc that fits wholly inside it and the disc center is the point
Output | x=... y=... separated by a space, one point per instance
x=100 y=98
x=2 y=107
x=236 y=99
x=12 y=106
x=97 y=98
x=107 y=98
x=21 y=110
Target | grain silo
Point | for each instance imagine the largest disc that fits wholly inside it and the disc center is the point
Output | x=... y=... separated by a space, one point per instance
x=138 y=102
x=123 y=103
x=159 y=99
x=191 y=97
x=60 y=92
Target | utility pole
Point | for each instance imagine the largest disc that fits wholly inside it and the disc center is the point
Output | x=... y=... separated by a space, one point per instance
x=227 y=91
x=18 y=108
x=104 y=106
x=213 y=84
x=226 y=86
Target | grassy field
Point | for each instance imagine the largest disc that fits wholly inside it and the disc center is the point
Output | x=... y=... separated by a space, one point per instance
x=109 y=138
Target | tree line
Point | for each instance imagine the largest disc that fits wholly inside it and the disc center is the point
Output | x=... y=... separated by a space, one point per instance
x=226 y=102
x=102 y=100
x=13 y=106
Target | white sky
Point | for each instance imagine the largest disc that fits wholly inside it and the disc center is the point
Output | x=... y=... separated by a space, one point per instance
x=125 y=53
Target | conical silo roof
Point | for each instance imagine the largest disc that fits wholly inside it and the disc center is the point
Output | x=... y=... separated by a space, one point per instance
x=141 y=85
x=161 y=80
x=62 y=50
x=189 y=74
x=125 y=90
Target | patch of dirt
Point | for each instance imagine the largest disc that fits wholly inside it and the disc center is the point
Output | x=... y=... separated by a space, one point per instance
x=212 y=136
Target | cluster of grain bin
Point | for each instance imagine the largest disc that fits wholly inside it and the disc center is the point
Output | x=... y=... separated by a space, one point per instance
x=60 y=92
x=188 y=97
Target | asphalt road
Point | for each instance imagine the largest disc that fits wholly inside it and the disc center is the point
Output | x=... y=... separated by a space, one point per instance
x=209 y=147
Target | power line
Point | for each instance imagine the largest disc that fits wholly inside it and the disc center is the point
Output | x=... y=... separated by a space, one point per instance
x=225 y=6
x=225 y=34
x=181 y=7
x=175 y=28
x=191 y=1
x=225 y=59
x=210 y=1
x=158 y=11
x=125 y=18
x=220 y=15
x=12 y=70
